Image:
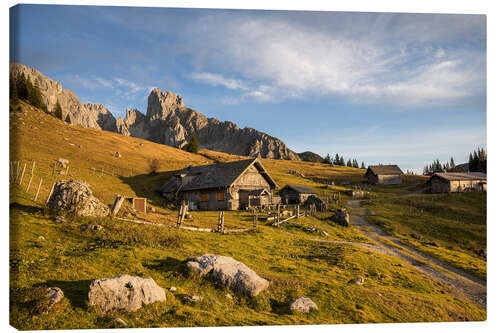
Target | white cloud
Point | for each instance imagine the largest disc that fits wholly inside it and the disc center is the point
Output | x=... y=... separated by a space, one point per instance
x=219 y=80
x=297 y=61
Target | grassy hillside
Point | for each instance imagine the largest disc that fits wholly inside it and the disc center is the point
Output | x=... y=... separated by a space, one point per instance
x=46 y=253
x=451 y=227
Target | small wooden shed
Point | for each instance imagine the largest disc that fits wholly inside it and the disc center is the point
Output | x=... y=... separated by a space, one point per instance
x=384 y=174
x=295 y=194
x=446 y=182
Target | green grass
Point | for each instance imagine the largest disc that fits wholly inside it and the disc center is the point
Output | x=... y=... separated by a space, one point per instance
x=296 y=266
x=451 y=227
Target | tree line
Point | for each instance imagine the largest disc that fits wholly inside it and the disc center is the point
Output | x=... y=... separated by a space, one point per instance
x=477 y=163
x=21 y=88
x=340 y=161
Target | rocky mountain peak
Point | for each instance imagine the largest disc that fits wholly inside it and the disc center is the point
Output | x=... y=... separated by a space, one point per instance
x=162 y=103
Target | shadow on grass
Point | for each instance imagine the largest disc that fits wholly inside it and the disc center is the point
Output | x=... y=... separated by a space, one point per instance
x=148 y=186
x=168 y=264
x=75 y=291
x=25 y=208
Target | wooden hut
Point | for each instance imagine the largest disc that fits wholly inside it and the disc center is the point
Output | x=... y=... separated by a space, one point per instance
x=446 y=182
x=384 y=174
x=221 y=186
x=295 y=194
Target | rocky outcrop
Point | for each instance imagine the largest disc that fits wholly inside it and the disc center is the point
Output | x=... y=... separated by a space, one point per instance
x=125 y=293
x=86 y=115
x=309 y=156
x=167 y=121
x=75 y=196
x=229 y=273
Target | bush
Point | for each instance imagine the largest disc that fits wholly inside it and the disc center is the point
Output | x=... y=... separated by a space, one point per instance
x=154 y=165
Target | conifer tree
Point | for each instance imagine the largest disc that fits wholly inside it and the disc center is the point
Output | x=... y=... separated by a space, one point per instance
x=58 y=111
x=349 y=163
x=68 y=120
x=192 y=145
x=363 y=165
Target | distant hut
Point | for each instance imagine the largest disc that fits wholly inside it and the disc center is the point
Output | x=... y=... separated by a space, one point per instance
x=295 y=194
x=221 y=186
x=446 y=182
x=384 y=174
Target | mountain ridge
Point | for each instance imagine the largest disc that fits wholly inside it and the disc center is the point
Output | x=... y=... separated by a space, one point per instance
x=167 y=121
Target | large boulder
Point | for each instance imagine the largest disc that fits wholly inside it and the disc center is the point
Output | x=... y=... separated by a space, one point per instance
x=229 y=273
x=76 y=196
x=125 y=293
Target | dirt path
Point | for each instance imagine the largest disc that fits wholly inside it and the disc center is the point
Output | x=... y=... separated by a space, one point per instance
x=462 y=282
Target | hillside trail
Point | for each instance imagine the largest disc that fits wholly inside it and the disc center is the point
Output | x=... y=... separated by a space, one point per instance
x=463 y=283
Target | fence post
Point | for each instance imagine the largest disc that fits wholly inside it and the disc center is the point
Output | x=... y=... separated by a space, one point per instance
x=117 y=204
x=182 y=213
x=22 y=174
x=50 y=193
x=38 y=191
x=220 y=224
x=255 y=223
x=298 y=211
x=17 y=172
x=279 y=211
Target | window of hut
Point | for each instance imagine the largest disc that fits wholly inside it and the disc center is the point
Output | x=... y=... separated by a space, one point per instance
x=220 y=196
x=204 y=197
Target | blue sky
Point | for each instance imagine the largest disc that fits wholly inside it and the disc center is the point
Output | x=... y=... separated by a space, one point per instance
x=382 y=88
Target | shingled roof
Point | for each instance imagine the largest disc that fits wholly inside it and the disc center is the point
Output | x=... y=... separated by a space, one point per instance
x=460 y=175
x=385 y=169
x=217 y=175
x=299 y=189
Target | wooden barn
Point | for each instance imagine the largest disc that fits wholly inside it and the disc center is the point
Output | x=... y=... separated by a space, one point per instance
x=446 y=182
x=384 y=174
x=221 y=186
x=295 y=194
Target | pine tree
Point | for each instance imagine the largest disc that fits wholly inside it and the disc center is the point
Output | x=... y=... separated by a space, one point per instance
x=355 y=164
x=13 y=88
x=192 y=145
x=452 y=163
x=58 y=111
x=337 y=160
x=341 y=162
x=363 y=165
x=22 y=91
x=327 y=159
x=349 y=163
x=68 y=120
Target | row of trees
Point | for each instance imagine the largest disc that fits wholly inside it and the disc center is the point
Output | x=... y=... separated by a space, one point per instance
x=339 y=160
x=477 y=161
x=22 y=89
x=437 y=166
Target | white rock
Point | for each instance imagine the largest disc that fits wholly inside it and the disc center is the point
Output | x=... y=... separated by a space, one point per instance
x=124 y=292
x=229 y=273
x=303 y=305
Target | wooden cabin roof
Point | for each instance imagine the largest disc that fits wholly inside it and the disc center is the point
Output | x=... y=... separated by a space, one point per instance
x=460 y=175
x=299 y=189
x=384 y=170
x=216 y=175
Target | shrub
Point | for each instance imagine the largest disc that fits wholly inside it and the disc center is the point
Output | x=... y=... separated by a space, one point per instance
x=154 y=165
x=192 y=145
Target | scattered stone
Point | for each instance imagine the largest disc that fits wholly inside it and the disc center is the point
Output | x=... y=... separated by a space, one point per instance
x=118 y=155
x=62 y=162
x=152 y=209
x=229 y=273
x=172 y=289
x=359 y=280
x=188 y=216
x=324 y=233
x=303 y=305
x=141 y=144
x=397 y=265
x=311 y=229
x=432 y=243
x=54 y=295
x=416 y=236
x=124 y=292
x=192 y=299
x=91 y=227
x=370 y=212
x=76 y=196
x=59 y=219
x=341 y=216
x=121 y=322
x=229 y=296
x=41 y=238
